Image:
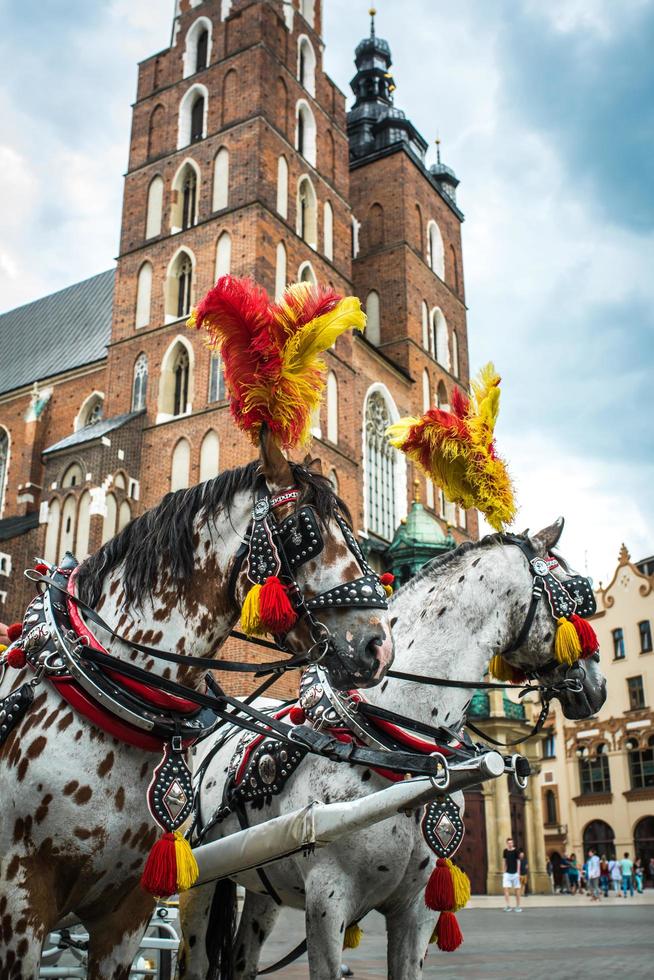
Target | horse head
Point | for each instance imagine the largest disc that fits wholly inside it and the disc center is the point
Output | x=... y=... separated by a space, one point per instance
x=576 y=680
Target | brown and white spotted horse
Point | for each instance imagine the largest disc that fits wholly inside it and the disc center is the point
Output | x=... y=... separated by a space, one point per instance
x=74 y=826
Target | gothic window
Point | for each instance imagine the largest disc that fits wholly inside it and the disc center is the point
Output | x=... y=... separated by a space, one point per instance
x=455 y=354
x=332 y=407
x=636 y=693
x=440 y=339
x=179 y=286
x=328 y=230
x=280 y=270
x=4 y=461
x=180 y=465
x=618 y=643
x=184 y=276
x=550 y=806
x=198 y=46
x=306 y=273
x=307 y=218
x=73 y=476
x=282 y=105
x=216 y=379
x=52 y=531
x=192 y=125
x=154 y=208
x=455 y=269
x=354 y=240
x=181 y=379
x=140 y=383
x=156 y=132
x=282 y=186
x=436 y=254
x=223 y=255
x=645 y=632
x=594 y=773
x=421 y=247
x=305 y=132
x=202 y=50
x=197 y=119
x=380 y=466
x=143 y=296
x=189 y=199
x=124 y=515
x=306 y=65
x=373 y=318
x=307 y=11
x=641 y=763
x=221 y=179
x=332 y=476
x=92 y=411
x=442 y=397
x=68 y=524
x=184 y=210
x=330 y=156
x=209 y=456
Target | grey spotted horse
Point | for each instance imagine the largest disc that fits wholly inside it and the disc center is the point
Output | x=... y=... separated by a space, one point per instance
x=74 y=769
x=448 y=622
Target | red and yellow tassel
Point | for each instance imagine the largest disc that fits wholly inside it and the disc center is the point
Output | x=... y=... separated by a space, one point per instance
x=502 y=670
x=447 y=891
x=267 y=608
x=587 y=635
x=171 y=866
x=387 y=580
x=567 y=644
x=250 y=613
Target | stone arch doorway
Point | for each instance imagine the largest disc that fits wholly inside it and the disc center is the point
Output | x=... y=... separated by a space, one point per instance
x=599 y=835
x=644 y=846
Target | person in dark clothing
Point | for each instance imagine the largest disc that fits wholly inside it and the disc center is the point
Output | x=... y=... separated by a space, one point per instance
x=511 y=876
x=524 y=873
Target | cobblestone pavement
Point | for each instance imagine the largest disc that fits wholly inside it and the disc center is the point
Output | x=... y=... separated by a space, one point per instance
x=552 y=942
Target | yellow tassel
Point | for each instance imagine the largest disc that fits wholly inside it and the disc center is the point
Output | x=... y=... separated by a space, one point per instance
x=567 y=648
x=461 y=884
x=388 y=589
x=500 y=669
x=250 y=616
x=3 y=647
x=187 y=866
x=353 y=936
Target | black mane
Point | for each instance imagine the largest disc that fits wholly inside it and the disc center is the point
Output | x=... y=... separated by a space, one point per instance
x=164 y=534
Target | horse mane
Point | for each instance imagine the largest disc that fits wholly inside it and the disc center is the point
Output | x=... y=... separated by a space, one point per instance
x=435 y=566
x=164 y=535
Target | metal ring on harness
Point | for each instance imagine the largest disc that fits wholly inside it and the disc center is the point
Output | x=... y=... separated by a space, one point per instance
x=442 y=782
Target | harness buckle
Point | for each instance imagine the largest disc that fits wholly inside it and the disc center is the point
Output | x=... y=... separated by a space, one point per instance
x=176 y=743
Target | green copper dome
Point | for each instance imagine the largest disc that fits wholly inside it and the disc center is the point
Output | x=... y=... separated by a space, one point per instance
x=417 y=540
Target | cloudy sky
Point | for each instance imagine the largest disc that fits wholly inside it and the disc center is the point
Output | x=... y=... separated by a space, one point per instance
x=546 y=112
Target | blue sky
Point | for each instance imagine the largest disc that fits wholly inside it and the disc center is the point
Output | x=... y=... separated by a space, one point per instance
x=545 y=111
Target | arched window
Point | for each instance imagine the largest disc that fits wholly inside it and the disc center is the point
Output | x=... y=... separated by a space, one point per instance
x=455 y=269
x=332 y=407
x=155 y=208
x=216 y=379
x=156 y=132
x=176 y=380
x=550 y=806
x=192 y=125
x=73 y=476
x=91 y=411
x=209 y=456
x=184 y=211
x=426 y=397
x=455 y=354
x=440 y=338
x=641 y=763
x=307 y=219
x=424 y=310
x=442 y=400
x=376 y=225
x=421 y=244
x=307 y=11
x=180 y=468
x=179 y=286
x=197 y=52
x=68 y=522
x=356 y=225
x=599 y=835
x=4 y=465
x=380 y=468
x=644 y=840
x=328 y=230
x=306 y=274
x=143 y=296
x=282 y=186
x=306 y=64
x=52 y=532
x=140 y=383
x=124 y=515
x=223 y=255
x=110 y=518
x=373 y=318
x=280 y=270
x=83 y=526
x=221 y=179
x=230 y=99
x=305 y=132
x=436 y=254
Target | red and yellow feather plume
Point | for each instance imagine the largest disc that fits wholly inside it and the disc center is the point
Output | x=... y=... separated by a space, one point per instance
x=271 y=351
x=456 y=449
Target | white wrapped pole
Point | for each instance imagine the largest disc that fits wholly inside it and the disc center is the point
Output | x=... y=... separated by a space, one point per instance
x=319 y=824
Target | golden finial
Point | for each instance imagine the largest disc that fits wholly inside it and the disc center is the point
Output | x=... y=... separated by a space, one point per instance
x=416 y=491
x=372 y=13
x=437 y=141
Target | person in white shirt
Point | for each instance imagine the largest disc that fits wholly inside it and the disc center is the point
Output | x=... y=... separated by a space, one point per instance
x=593 y=875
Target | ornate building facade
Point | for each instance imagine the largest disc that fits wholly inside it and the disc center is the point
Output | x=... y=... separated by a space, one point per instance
x=597 y=778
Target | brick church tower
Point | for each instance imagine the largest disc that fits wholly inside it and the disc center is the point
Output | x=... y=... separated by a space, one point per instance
x=242 y=159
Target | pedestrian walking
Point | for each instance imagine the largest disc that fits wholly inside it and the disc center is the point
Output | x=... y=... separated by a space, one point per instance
x=616 y=875
x=593 y=871
x=639 y=874
x=524 y=873
x=626 y=866
x=549 y=867
x=605 y=875
x=511 y=876
x=573 y=874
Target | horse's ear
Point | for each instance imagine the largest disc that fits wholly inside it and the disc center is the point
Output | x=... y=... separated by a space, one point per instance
x=274 y=465
x=549 y=536
x=313 y=465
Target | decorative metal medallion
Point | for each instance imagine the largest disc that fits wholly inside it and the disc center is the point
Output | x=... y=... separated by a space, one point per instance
x=37 y=638
x=442 y=827
x=540 y=566
x=261 y=509
x=170 y=793
x=13 y=708
x=312 y=696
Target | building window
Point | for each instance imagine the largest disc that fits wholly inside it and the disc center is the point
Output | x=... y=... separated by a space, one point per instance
x=209 y=456
x=184 y=209
x=197 y=119
x=4 y=460
x=636 y=693
x=189 y=199
x=550 y=806
x=223 y=255
x=332 y=407
x=156 y=132
x=641 y=763
x=143 y=296
x=306 y=65
x=282 y=187
x=202 y=51
x=380 y=464
x=645 y=631
x=549 y=746
x=356 y=225
x=181 y=378
x=436 y=253
x=91 y=412
x=618 y=643
x=52 y=532
x=198 y=47
x=328 y=231
x=373 y=318
x=221 y=179
x=179 y=286
x=192 y=122
x=305 y=132
x=184 y=277
x=440 y=339
x=307 y=218
x=216 y=379
x=180 y=465
x=140 y=383
x=594 y=775
x=280 y=271
x=306 y=274
x=424 y=311
x=155 y=207
x=307 y=10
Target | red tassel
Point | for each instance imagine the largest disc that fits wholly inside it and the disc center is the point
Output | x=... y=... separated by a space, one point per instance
x=587 y=635
x=42 y=568
x=387 y=578
x=16 y=658
x=450 y=936
x=159 y=876
x=296 y=715
x=275 y=610
x=439 y=893
x=14 y=631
